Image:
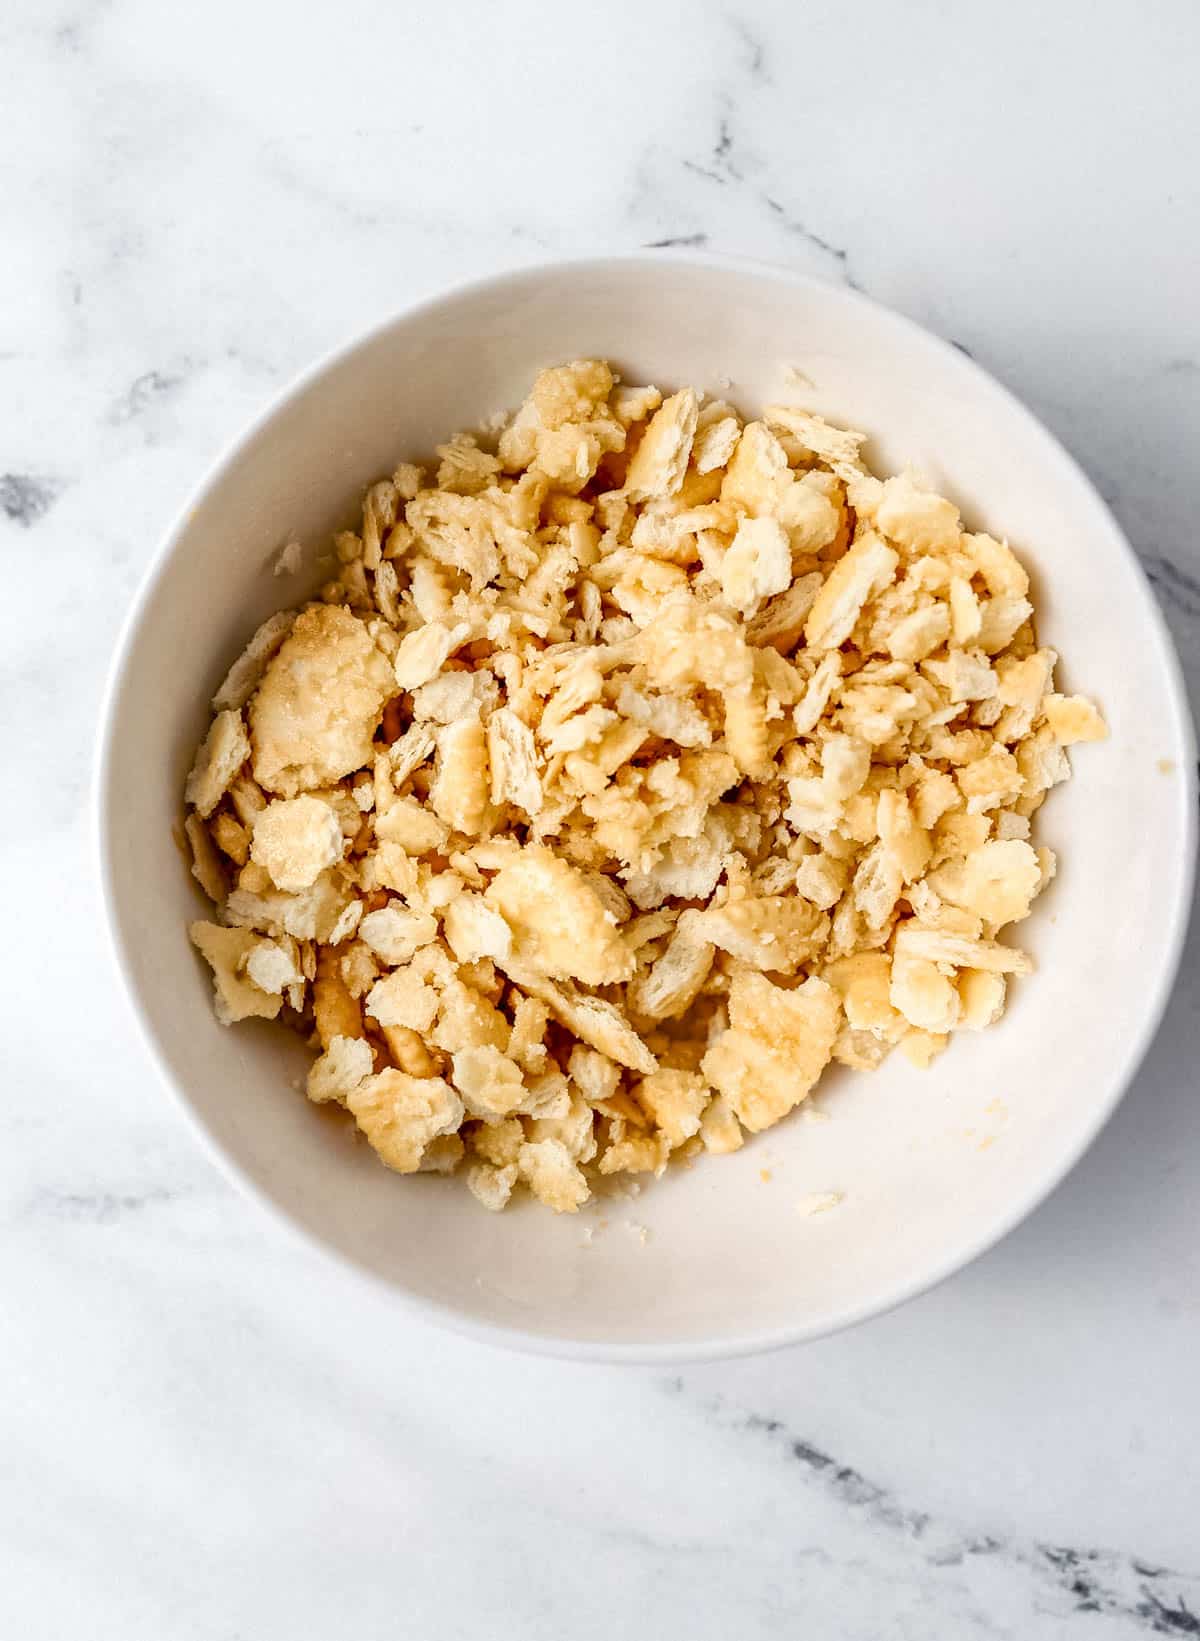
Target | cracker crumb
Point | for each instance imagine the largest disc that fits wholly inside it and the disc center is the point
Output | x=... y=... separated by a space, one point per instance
x=819 y=1202
x=290 y=558
x=638 y=762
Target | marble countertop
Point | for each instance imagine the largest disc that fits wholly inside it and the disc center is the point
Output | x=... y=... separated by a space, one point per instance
x=206 y=1431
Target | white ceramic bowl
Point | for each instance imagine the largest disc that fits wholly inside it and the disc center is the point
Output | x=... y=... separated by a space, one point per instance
x=933 y=1167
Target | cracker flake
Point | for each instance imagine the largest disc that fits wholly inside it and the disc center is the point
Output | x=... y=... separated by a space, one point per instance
x=296 y=839
x=557 y=920
x=401 y=1115
x=661 y=459
x=320 y=701
x=776 y=1046
x=221 y=755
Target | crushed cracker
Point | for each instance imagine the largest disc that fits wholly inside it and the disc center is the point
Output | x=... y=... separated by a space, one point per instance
x=636 y=765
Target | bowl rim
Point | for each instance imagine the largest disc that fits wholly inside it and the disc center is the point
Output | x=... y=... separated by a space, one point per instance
x=717 y=1346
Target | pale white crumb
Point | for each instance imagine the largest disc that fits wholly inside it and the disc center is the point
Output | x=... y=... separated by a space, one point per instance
x=819 y=1202
x=289 y=559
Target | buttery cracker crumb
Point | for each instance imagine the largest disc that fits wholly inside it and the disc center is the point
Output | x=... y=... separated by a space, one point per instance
x=638 y=762
x=289 y=559
x=820 y=1202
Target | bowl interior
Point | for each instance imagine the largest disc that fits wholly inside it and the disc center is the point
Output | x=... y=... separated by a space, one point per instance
x=929 y=1166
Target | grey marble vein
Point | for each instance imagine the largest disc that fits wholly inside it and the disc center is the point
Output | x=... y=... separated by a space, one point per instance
x=1110 y=1583
x=1177 y=587
x=147 y=391
x=25 y=497
x=96 y=1207
x=838 y=255
x=732 y=162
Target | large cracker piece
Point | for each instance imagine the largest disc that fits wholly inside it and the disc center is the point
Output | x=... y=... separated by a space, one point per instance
x=777 y=1045
x=319 y=704
x=660 y=461
x=402 y=1115
x=560 y=926
x=865 y=570
x=222 y=753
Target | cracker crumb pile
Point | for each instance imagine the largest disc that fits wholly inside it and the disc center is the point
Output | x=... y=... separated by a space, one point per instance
x=637 y=763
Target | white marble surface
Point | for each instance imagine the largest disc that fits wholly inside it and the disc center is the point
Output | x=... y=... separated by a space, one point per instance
x=205 y=1431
